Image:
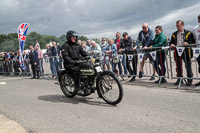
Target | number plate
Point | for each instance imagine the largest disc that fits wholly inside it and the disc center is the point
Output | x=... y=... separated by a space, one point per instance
x=98 y=69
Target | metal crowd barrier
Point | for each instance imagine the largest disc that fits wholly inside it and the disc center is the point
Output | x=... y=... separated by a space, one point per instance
x=171 y=60
x=11 y=67
x=131 y=60
x=187 y=58
x=135 y=58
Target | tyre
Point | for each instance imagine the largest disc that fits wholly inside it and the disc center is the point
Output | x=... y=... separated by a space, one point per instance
x=67 y=85
x=109 y=88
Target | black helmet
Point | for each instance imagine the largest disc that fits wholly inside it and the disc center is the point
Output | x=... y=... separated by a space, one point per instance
x=70 y=34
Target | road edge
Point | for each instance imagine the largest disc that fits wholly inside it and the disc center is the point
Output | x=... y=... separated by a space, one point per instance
x=10 y=126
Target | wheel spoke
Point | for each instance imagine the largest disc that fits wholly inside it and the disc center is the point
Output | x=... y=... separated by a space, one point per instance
x=67 y=85
x=110 y=88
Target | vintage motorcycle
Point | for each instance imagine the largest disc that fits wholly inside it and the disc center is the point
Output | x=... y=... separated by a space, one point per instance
x=93 y=79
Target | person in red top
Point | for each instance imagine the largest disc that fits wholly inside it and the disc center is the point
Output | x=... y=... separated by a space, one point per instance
x=117 y=42
x=40 y=57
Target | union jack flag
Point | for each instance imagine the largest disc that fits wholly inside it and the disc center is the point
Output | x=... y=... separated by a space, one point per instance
x=22 y=31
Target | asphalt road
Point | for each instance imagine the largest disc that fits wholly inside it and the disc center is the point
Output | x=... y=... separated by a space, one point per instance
x=41 y=107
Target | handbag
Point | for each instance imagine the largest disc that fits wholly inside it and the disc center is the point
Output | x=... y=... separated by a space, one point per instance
x=115 y=60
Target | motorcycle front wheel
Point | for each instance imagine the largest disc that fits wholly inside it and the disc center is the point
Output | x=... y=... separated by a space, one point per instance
x=67 y=85
x=110 y=88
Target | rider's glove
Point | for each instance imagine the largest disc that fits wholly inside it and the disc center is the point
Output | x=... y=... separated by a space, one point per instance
x=74 y=62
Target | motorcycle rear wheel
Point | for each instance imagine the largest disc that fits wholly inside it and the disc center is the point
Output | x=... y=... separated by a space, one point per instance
x=67 y=85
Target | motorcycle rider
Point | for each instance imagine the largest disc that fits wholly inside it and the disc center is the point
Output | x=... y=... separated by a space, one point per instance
x=72 y=52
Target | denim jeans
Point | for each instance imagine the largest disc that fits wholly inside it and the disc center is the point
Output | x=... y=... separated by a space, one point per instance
x=124 y=64
x=114 y=67
x=120 y=67
x=41 y=66
x=60 y=62
x=54 y=66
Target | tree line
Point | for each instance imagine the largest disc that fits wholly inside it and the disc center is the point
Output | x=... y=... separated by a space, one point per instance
x=9 y=42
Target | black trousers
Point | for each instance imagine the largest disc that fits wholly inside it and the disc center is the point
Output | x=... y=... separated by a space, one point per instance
x=159 y=64
x=198 y=60
x=35 y=70
x=75 y=72
x=188 y=65
x=134 y=65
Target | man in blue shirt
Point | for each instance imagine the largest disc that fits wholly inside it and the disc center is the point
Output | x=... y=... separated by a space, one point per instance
x=145 y=37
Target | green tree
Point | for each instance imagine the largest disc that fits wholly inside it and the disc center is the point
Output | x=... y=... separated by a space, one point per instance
x=12 y=36
x=96 y=40
x=3 y=37
x=45 y=39
x=82 y=38
x=31 y=39
x=10 y=45
x=62 y=39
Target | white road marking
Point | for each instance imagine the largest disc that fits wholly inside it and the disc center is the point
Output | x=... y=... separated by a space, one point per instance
x=3 y=79
x=2 y=83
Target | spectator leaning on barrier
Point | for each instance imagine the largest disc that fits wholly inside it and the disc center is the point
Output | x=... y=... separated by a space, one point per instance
x=26 y=63
x=95 y=50
x=79 y=42
x=183 y=38
x=196 y=33
x=88 y=43
x=117 y=42
x=11 y=55
x=160 y=40
x=105 y=58
x=111 y=51
x=126 y=46
x=84 y=46
x=16 y=64
x=7 y=62
x=145 y=36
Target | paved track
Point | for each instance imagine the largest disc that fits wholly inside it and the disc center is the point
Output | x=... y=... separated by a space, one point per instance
x=41 y=107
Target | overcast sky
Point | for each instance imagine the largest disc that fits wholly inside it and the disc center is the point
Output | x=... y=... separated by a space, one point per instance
x=96 y=18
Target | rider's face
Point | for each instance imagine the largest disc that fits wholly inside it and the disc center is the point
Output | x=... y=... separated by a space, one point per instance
x=73 y=39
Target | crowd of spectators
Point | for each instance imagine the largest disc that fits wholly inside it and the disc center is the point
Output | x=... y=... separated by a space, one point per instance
x=113 y=54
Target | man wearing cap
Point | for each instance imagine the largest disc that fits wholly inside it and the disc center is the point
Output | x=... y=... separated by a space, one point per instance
x=126 y=46
x=196 y=33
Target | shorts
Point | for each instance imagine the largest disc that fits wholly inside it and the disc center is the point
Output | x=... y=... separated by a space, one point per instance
x=105 y=60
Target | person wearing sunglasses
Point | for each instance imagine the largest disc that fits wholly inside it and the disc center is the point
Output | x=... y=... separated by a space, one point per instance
x=145 y=37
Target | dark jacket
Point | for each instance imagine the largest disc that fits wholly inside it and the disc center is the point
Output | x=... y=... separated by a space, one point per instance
x=33 y=55
x=188 y=37
x=71 y=53
x=126 y=44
